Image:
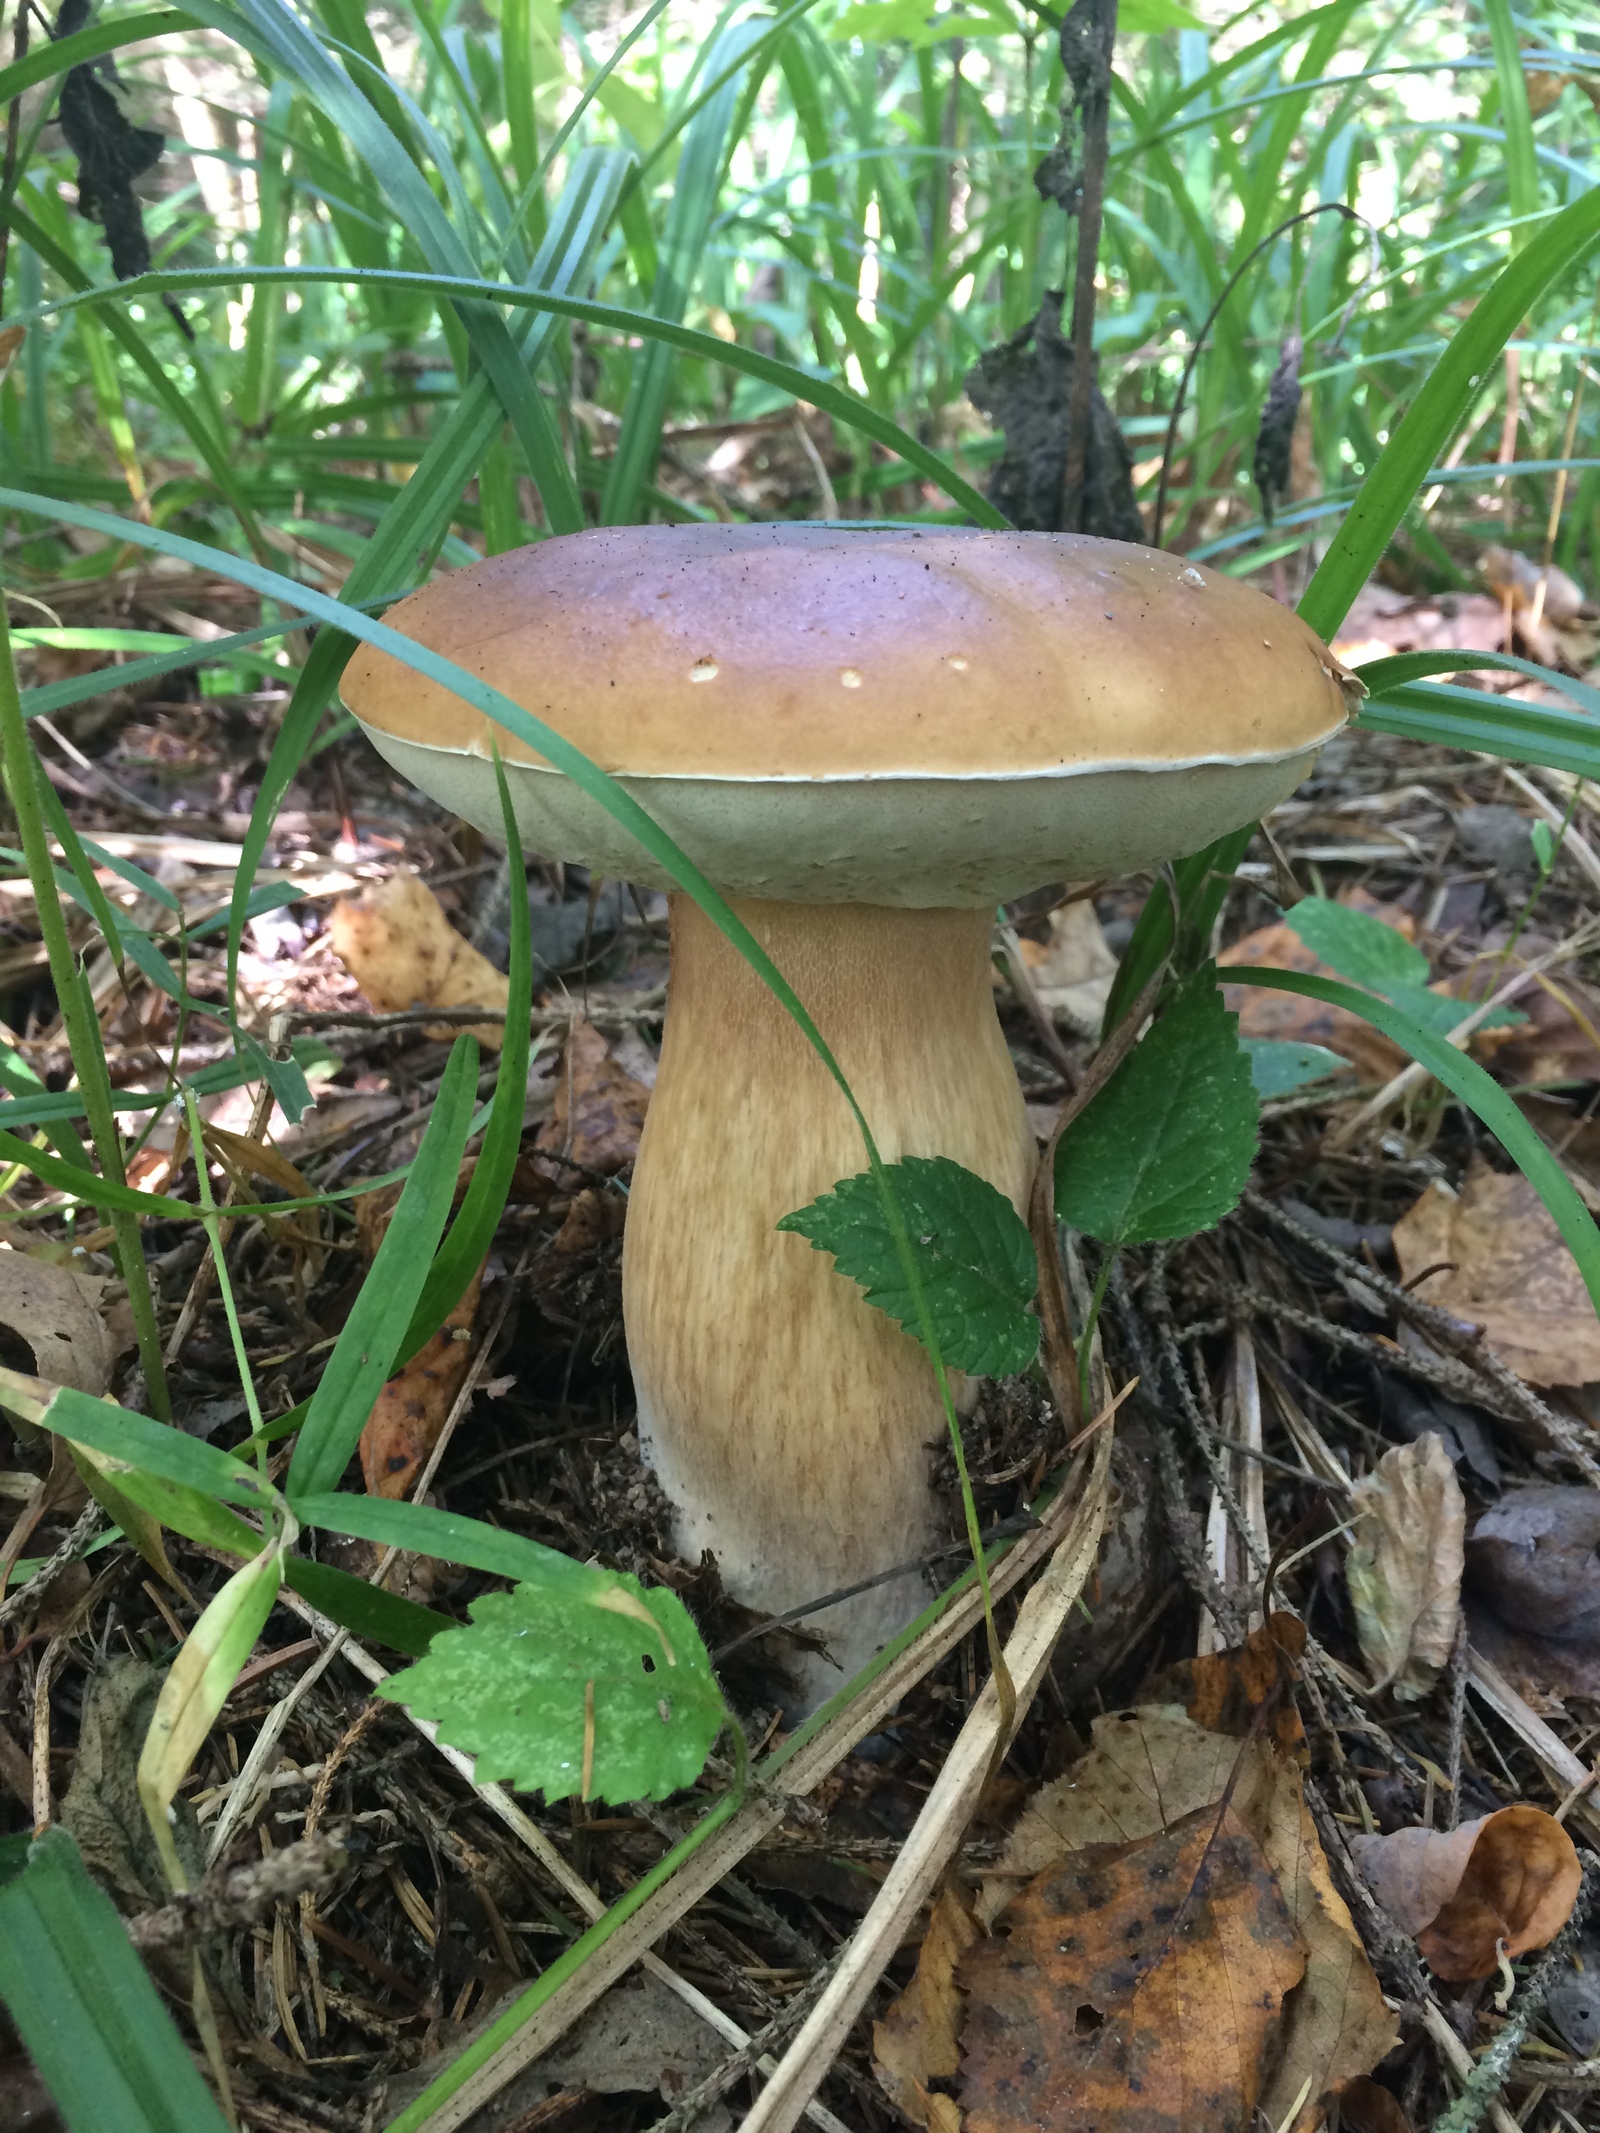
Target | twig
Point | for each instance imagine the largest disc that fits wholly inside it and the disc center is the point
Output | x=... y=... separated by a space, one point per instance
x=234 y=1898
x=945 y=1814
x=83 y=1531
x=1088 y=36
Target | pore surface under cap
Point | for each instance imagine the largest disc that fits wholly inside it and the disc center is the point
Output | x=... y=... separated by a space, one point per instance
x=799 y=651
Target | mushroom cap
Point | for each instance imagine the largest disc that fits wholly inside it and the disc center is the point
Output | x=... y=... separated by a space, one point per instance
x=886 y=716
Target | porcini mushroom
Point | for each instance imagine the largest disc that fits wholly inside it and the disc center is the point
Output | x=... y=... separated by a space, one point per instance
x=866 y=740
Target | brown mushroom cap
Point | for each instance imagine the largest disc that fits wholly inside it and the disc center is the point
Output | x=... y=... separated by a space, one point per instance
x=878 y=715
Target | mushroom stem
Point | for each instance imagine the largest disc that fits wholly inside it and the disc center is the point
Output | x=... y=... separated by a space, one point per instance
x=792 y=1425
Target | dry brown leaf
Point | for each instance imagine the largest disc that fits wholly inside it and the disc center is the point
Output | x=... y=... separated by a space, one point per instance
x=599 y=1108
x=1133 y=1985
x=1366 y=2108
x=1147 y=1770
x=593 y=1219
x=918 y=2040
x=1290 y=1018
x=402 y=951
x=1508 y=1878
x=1506 y=1268
x=1227 y=1691
x=1074 y=970
x=412 y=1408
x=57 y=1316
x=1404 y=1565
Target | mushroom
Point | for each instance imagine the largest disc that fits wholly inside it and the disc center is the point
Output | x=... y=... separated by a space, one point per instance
x=866 y=740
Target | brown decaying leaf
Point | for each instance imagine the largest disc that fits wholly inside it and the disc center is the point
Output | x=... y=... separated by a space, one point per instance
x=1404 y=1565
x=1137 y=1985
x=1366 y=2108
x=1226 y=1691
x=412 y=1408
x=1151 y=1768
x=1508 y=1878
x=1073 y=971
x=918 y=2040
x=599 y=1108
x=402 y=951
x=1506 y=1268
x=58 y=1315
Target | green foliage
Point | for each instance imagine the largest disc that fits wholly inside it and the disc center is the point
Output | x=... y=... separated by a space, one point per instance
x=83 y=2006
x=615 y=1701
x=1379 y=957
x=1278 y=1068
x=1165 y=1148
x=973 y=1254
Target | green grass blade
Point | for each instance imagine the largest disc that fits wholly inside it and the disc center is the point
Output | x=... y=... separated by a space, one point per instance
x=472 y=1232
x=1489 y=725
x=1522 y=165
x=84 y=2007
x=1468 y=1082
x=422 y=1530
x=364 y=1355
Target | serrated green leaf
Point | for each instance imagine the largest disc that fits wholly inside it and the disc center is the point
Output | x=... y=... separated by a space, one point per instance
x=513 y=1691
x=1165 y=1148
x=1277 y=1068
x=974 y=1255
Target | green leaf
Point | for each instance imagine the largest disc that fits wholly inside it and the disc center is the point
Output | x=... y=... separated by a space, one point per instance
x=1165 y=1149
x=84 y=2007
x=1357 y=945
x=973 y=1251
x=514 y=1689
x=1278 y=1068
x=1466 y=1080
x=1146 y=18
x=1380 y=957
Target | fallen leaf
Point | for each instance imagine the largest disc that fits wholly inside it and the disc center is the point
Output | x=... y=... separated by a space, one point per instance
x=1508 y=1878
x=599 y=1107
x=1404 y=1565
x=1225 y=1691
x=1150 y=1768
x=1137 y=1985
x=56 y=1323
x=413 y=1407
x=1533 y=1591
x=1559 y=1039
x=1534 y=1558
x=402 y=951
x=1504 y=1267
x=593 y=1219
x=1074 y=970
x=1364 y=2107
x=918 y=2040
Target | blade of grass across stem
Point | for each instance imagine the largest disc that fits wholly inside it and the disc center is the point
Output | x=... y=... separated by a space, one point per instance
x=339 y=1395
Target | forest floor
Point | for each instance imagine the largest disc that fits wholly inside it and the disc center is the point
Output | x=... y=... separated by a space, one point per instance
x=1387 y=1283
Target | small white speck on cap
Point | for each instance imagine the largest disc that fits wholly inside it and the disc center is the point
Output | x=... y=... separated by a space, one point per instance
x=959 y=661
x=704 y=670
x=1191 y=576
x=850 y=677
x=1267 y=641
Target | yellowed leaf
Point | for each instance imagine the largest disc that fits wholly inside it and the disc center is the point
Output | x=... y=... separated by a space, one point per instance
x=918 y=2040
x=402 y=951
x=1508 y=1879
x=1404 y=1565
